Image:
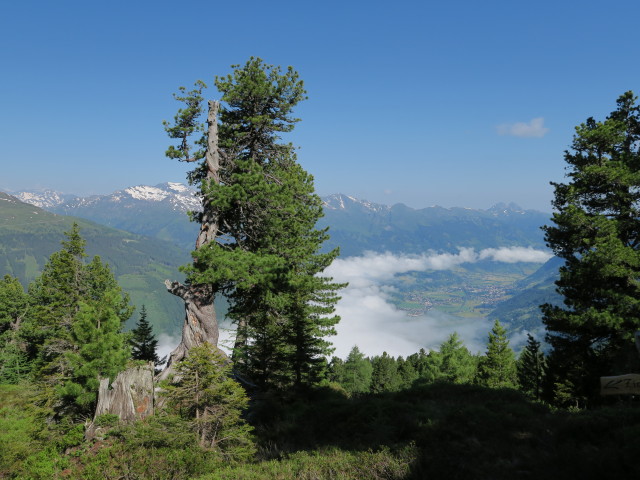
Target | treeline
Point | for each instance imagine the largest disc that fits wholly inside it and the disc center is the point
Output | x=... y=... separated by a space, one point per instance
x=498 y=367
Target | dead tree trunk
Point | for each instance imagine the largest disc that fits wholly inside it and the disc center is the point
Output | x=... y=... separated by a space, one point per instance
x=200 y=323
x=131 y=397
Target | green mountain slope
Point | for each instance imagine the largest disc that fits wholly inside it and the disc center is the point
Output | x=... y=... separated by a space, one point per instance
x=521 y=312
x=28 y=235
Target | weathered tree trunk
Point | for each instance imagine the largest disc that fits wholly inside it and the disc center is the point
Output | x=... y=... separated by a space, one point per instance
x=131 y=396
x=200 y=323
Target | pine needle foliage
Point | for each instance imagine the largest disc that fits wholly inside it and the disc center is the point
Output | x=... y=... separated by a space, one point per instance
x=497 y=368
x=266 y=258
x=532 y=366
x=596 y=231
x=206 y=395
x=143 y=342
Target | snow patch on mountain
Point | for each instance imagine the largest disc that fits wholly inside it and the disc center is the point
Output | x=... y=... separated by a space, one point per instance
x=143 y=192
x=178 y=187
x=180 y=196
x=44 y=199
x=338 y=201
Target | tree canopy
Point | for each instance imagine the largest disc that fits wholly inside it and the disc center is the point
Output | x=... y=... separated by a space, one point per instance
x=262 y=249
x=596 y=231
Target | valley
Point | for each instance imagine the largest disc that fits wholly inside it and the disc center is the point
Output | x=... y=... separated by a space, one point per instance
x=157 y=218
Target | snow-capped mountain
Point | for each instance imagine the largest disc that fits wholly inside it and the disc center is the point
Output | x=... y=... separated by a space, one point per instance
x=339 y=201
x=178 y=196
x=44 y=199
x=355 y=225
x=157 y=211
x=181 y=197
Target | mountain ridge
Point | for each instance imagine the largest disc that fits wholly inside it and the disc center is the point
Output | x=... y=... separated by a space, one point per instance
x=188 y=196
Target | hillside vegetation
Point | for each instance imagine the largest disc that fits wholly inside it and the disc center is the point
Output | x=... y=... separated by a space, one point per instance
x=29 y=235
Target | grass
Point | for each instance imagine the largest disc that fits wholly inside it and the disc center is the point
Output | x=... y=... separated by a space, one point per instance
x=429 y=431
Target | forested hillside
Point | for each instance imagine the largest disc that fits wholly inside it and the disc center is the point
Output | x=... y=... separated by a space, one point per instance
x=29 y=235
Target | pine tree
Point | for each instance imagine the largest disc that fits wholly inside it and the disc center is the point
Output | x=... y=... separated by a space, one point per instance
x=355 y=372
x=385 y=377
x=74 y=326
x=420 y=362
x=596 y=232
x=497 y=368
x=457 y=365
x=531 y=367
x=265 y=254
x=100 y=351
x=143 y=342
x=407 y=372
x=14 y=305
x=55 y=297
x=205 y=395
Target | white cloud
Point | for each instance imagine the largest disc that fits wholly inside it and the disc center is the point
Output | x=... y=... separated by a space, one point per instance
x=535 y=128
x=369 y=320
x=515 y=255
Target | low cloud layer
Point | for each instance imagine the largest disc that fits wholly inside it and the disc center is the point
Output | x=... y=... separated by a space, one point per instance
x=535 y=128
x=371 y=321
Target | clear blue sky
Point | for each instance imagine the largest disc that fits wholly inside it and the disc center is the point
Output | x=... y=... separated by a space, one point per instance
x=459 y=103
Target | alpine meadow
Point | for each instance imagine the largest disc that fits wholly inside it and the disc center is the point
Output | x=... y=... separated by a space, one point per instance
x=309 y=337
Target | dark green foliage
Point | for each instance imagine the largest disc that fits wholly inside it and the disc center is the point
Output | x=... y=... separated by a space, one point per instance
x=14 y=306
x=73 y=330
x=453 y=363
x=186 y=123
x=385 y=376
x=212 y=402
x=55 y=296
x=596 y=231
x=266 y=257
x=354 y=374
x=531 y=367
x=143 y=342
x=14 y=364
x=13 y=303
x=439 y=430
x=260 y=102
x=497 y=368
x=100 y=350
x=407 y=372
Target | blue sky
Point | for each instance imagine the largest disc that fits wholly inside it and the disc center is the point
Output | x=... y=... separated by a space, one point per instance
x=452 y=103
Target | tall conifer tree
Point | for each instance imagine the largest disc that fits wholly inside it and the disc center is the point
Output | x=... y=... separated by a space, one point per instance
x=266 y=254
x=596 y=231
x=14 y=306
x=74 y=326
x=497 y=368
x=532 y=368
x=143 y=342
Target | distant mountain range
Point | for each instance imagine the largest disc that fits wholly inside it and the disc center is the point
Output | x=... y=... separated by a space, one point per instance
x=355 y=226
x=156 y=211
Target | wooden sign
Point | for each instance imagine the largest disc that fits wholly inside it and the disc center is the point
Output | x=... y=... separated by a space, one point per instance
x=620 y=385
